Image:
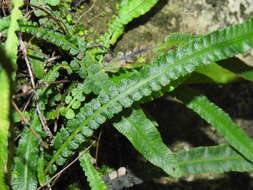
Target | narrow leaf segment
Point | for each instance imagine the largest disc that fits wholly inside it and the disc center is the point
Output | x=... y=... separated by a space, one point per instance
x=73 y=45
x=93 y=176
x=214 y=159
x=218 y=119
x=128 y=10
x=145 y=137
x=24 y=176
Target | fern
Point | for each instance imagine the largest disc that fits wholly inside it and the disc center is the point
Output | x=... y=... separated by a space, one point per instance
x=26 y=160
x=94 y=179
x=101 y=82
x=176 y=39
x=128 y=10
x=95 y=97
x=52 y=75
x=214 y=73
x=221 y=73
x=144 y=136
x=214 y=159
x=37 y=63
x=73 y=45
x=219 y=120
x=167 y=68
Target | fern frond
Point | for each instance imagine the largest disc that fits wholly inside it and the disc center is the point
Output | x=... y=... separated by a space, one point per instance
x=53 y=74
x=145 y=137
x=24 y=176
x=167 y=68
x=220 y=120
x=72 y=44
x=213 y=73
x=93 y=177
x=219 y=73
x=214 y=159
x=176 y=39
x=128 y=10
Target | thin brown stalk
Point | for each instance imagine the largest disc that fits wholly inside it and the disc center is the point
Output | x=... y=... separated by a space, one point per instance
x=41 y=116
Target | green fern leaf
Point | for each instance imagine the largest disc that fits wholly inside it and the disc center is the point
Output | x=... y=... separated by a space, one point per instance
x=174 y=40
x=53 y=2
x=97 y=79
x=37 y=62
x=40 y=169
x=213 y=73
x=128 y=10
x=218 y=119
x=222 y=73
x=73 y=45
x=53 y=74
x=214 y=159
x=239 y=68
x=24 y=176
x=157 y=75
x=144 y=136
x=93 y=177
x=219 y=73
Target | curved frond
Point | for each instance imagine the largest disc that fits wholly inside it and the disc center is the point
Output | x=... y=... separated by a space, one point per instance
x=176 y=39
x=214 y=159
x=218 y=73
x=220 y=120
x=93 y=177
x=128 y=10
x=212 y=73
x=24 y=175
x=164 y=70
x=144 y=136
x=53 y=74
x=73 y=45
